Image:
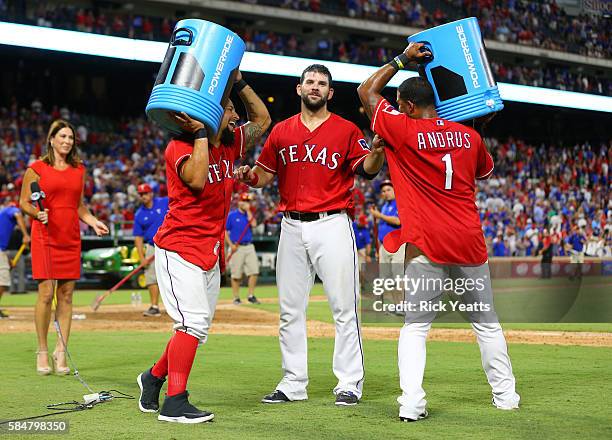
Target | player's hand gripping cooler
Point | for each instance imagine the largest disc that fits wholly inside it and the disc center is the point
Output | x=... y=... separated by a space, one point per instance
x=459 y=71
x=197 y=74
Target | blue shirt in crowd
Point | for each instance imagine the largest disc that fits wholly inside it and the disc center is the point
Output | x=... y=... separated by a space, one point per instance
x=7 y=224
x=390 y=209
x=147 y=221
x=236 y=222
x=576 y=240
x=362 y=236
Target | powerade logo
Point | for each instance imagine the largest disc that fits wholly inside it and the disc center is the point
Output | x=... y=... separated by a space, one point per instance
x=214 y=83
x=468 y=56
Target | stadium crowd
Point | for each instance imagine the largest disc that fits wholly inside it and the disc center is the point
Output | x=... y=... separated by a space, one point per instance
x=120 y=23
x=537 y=193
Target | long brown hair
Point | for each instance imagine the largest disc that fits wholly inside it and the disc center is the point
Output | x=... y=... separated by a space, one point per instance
x=73 y=158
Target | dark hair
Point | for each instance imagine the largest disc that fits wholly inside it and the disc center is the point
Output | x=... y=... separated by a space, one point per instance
x=319 y=68
x=418 y=91
x=73 y=158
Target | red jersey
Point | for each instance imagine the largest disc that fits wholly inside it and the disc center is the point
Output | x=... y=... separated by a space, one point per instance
x=433 y=165
x=315 y=168
x=194 y=226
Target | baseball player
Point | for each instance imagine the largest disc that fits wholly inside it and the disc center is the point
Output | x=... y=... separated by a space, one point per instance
x=189 y=245
x=147 y=220
x=10 y=216
x=315 y=155
x=433 y=165
x=243 y=259
x=390 y=264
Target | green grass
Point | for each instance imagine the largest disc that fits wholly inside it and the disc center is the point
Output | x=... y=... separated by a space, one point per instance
x=592 y=304
x=566 y=391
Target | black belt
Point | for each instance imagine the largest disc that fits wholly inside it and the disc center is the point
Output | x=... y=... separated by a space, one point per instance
x=311 y=216
x=245 y=244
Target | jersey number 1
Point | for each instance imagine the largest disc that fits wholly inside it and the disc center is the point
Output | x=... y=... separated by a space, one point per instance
x=448 y=183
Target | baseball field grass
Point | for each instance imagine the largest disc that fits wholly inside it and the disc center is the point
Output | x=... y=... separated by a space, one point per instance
x=566 y=391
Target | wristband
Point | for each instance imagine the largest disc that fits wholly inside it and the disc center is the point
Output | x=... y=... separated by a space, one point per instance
x=254 y=180
x=240 y=85
x=201 y=133
x=401 y=61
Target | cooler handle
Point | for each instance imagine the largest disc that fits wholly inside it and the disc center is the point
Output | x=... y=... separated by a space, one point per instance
x=174 y=41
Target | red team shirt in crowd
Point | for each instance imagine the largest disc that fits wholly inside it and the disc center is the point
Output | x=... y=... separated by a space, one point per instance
x=433 y=165
x=194 y=226
x=315 y=169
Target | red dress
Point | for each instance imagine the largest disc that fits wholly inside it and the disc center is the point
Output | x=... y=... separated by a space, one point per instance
x=56 y=247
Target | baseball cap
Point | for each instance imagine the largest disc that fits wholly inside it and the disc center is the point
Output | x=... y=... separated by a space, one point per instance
x=144 y=188
x=386 y=183
x=245 y=197
x=362 y=220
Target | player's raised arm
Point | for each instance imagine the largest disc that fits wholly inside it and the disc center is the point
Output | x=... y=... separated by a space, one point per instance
x=194 y=171
x=259 y=117
x=370 y=90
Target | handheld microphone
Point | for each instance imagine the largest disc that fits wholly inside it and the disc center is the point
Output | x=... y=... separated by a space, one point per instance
x=38 y=195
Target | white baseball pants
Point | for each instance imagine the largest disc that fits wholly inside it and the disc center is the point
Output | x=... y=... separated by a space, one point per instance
x=491 y=340
x=325 y=247
x=189 y=293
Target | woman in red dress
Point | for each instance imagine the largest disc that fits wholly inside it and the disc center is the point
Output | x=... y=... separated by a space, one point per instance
x=56 y=239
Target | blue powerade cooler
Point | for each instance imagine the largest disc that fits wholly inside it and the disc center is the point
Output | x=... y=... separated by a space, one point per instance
x=459 y=71
x=197 y=74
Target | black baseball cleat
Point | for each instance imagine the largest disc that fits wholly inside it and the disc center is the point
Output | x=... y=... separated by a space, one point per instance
x=275 y=397
x=152 y=311
x=423 y=415
x=150 y=386
x=253 y=299
x=177 y=409
x=237 y=301
x=346 y=398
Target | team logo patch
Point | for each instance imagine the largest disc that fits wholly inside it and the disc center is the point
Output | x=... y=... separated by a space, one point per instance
x=389 y=109
x=364 y=144
x=439 y=122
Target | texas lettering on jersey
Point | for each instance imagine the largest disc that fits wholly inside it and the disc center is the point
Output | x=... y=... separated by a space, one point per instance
x=316 y=168
x=312 y=154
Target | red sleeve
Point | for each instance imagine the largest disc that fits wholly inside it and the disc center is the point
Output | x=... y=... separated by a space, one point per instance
x=177 y=153
x=485 y=166
x=358 y=148
x=390 y=124
x=37 y=166
x=238 y=146
x=268 y=159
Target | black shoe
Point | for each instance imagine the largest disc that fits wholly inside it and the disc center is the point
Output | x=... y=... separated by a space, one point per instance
x=253 y=300
x=5 y=316
x=150 y=386
x=177 y=409
x=237 y=301
x=275 y=397
x=346 y=398
x=423 y=415
x=152 y=311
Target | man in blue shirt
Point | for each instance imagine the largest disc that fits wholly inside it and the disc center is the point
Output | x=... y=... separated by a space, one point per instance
x=10 y=216
x=242 y=256
x=391 y=265
x=363 y=240
x=147 y=220
x=575 y=245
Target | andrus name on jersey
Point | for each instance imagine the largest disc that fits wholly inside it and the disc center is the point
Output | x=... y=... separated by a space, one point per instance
x=312 y=154
x=219 y=172
x=446 y=139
